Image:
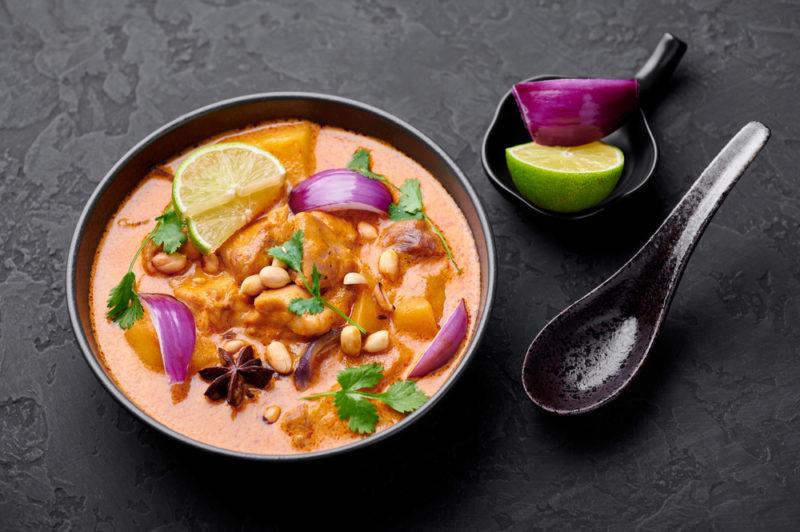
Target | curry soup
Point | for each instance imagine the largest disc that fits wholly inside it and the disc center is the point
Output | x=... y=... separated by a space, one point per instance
x=229 y=313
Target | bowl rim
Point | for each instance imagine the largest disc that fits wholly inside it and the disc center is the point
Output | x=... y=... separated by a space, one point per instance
x=108 y=180
x=573 y=216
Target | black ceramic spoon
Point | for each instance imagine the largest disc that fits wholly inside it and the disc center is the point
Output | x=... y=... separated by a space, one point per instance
x=587 y=354
x=634 y=138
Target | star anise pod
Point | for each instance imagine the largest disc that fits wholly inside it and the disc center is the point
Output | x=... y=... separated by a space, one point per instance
x=230 y=381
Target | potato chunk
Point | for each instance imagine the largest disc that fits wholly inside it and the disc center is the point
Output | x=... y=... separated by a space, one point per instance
x=292 y=143
x=367 y=313
x=143 y=340
x=415 y=315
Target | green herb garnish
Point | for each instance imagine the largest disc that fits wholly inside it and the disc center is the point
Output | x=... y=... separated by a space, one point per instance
x=409 y=205
x=168 y=232
x=291 y=252
x=354 y=406
x=362 y=163
x=123 y=303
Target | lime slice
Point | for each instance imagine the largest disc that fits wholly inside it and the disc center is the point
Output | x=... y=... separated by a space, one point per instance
x=221 y=188
x=565 y=178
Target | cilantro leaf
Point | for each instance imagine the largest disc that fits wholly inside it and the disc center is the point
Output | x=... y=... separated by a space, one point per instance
x=409 y=205
x=361 y=415
x=310 y=305
x=358 y=377
x=396 y=214
x=354 y=406
x=290 y=252
x=123 y=302
x=168 y=232
x=361 y=163
x=404 y=396
x=313 y=305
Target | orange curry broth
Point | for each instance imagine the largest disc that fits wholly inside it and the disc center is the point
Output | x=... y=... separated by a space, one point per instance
x=303 y=425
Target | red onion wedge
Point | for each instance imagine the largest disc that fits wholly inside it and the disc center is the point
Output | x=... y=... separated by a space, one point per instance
x=174 y=324
x=444 y=345
x=312 y=356
x=571 y=112
x=339 y=189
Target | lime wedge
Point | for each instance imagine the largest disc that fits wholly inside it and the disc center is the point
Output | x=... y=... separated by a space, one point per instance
x=220 y=188
x=565 y=178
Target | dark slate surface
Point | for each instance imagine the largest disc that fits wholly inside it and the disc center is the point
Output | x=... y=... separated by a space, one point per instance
x=709 y=436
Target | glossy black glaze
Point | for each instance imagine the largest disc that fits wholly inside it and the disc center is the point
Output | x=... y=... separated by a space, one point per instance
x=196 y=126
x=634 y=138
x=588 y=353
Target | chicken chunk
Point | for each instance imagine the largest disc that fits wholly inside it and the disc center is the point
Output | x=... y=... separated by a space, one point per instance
x=215 y=301
x=328 y=243
x=412 y=237
x=274 y=304
x=245 y=253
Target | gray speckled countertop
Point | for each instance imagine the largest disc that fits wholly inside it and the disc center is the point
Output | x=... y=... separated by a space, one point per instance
x=708 y=437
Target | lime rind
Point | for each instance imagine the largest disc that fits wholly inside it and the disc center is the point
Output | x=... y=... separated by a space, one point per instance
x=218 y=183
x=565 y=179
x=205 y=150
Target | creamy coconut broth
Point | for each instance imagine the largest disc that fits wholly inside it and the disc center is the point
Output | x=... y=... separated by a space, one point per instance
x=274 y=419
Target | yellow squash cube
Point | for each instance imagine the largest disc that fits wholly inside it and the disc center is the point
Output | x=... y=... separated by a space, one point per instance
x=293 y=143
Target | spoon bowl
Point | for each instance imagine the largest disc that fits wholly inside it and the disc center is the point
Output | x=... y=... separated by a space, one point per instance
x=634 y=138
x=589 y=353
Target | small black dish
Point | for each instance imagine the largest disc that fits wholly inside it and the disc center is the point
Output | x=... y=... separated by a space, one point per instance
x=634 y=138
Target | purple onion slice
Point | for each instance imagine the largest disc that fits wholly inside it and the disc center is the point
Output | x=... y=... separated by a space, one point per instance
x=571 y=112
x=444 y=345
x=312 y=356
x=339 y=189
x=174 y=324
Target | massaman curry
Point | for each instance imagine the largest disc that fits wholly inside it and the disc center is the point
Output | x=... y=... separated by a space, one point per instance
x=283 y=289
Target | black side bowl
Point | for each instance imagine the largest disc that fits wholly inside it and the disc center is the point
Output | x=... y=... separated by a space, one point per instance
x=196 y=126
x=634 y=138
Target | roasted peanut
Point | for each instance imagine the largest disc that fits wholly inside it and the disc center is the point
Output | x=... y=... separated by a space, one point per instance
x=252 y=286
x=350 y=340
x=233 y=346
x=169 y=264
x=278 y=263
x=389 y=264
x=377 y=341
x=367 y=231
x=354 y=278
x=279 y=358
x=273 y=277
x=271 y=414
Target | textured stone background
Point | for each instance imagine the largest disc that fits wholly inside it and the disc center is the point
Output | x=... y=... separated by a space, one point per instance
x=709 y=436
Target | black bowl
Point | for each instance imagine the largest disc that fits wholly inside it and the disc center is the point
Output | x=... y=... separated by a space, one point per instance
x=196 y=126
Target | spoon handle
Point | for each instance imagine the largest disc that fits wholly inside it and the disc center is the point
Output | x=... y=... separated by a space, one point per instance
x=658 y=68
x=679 y=233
